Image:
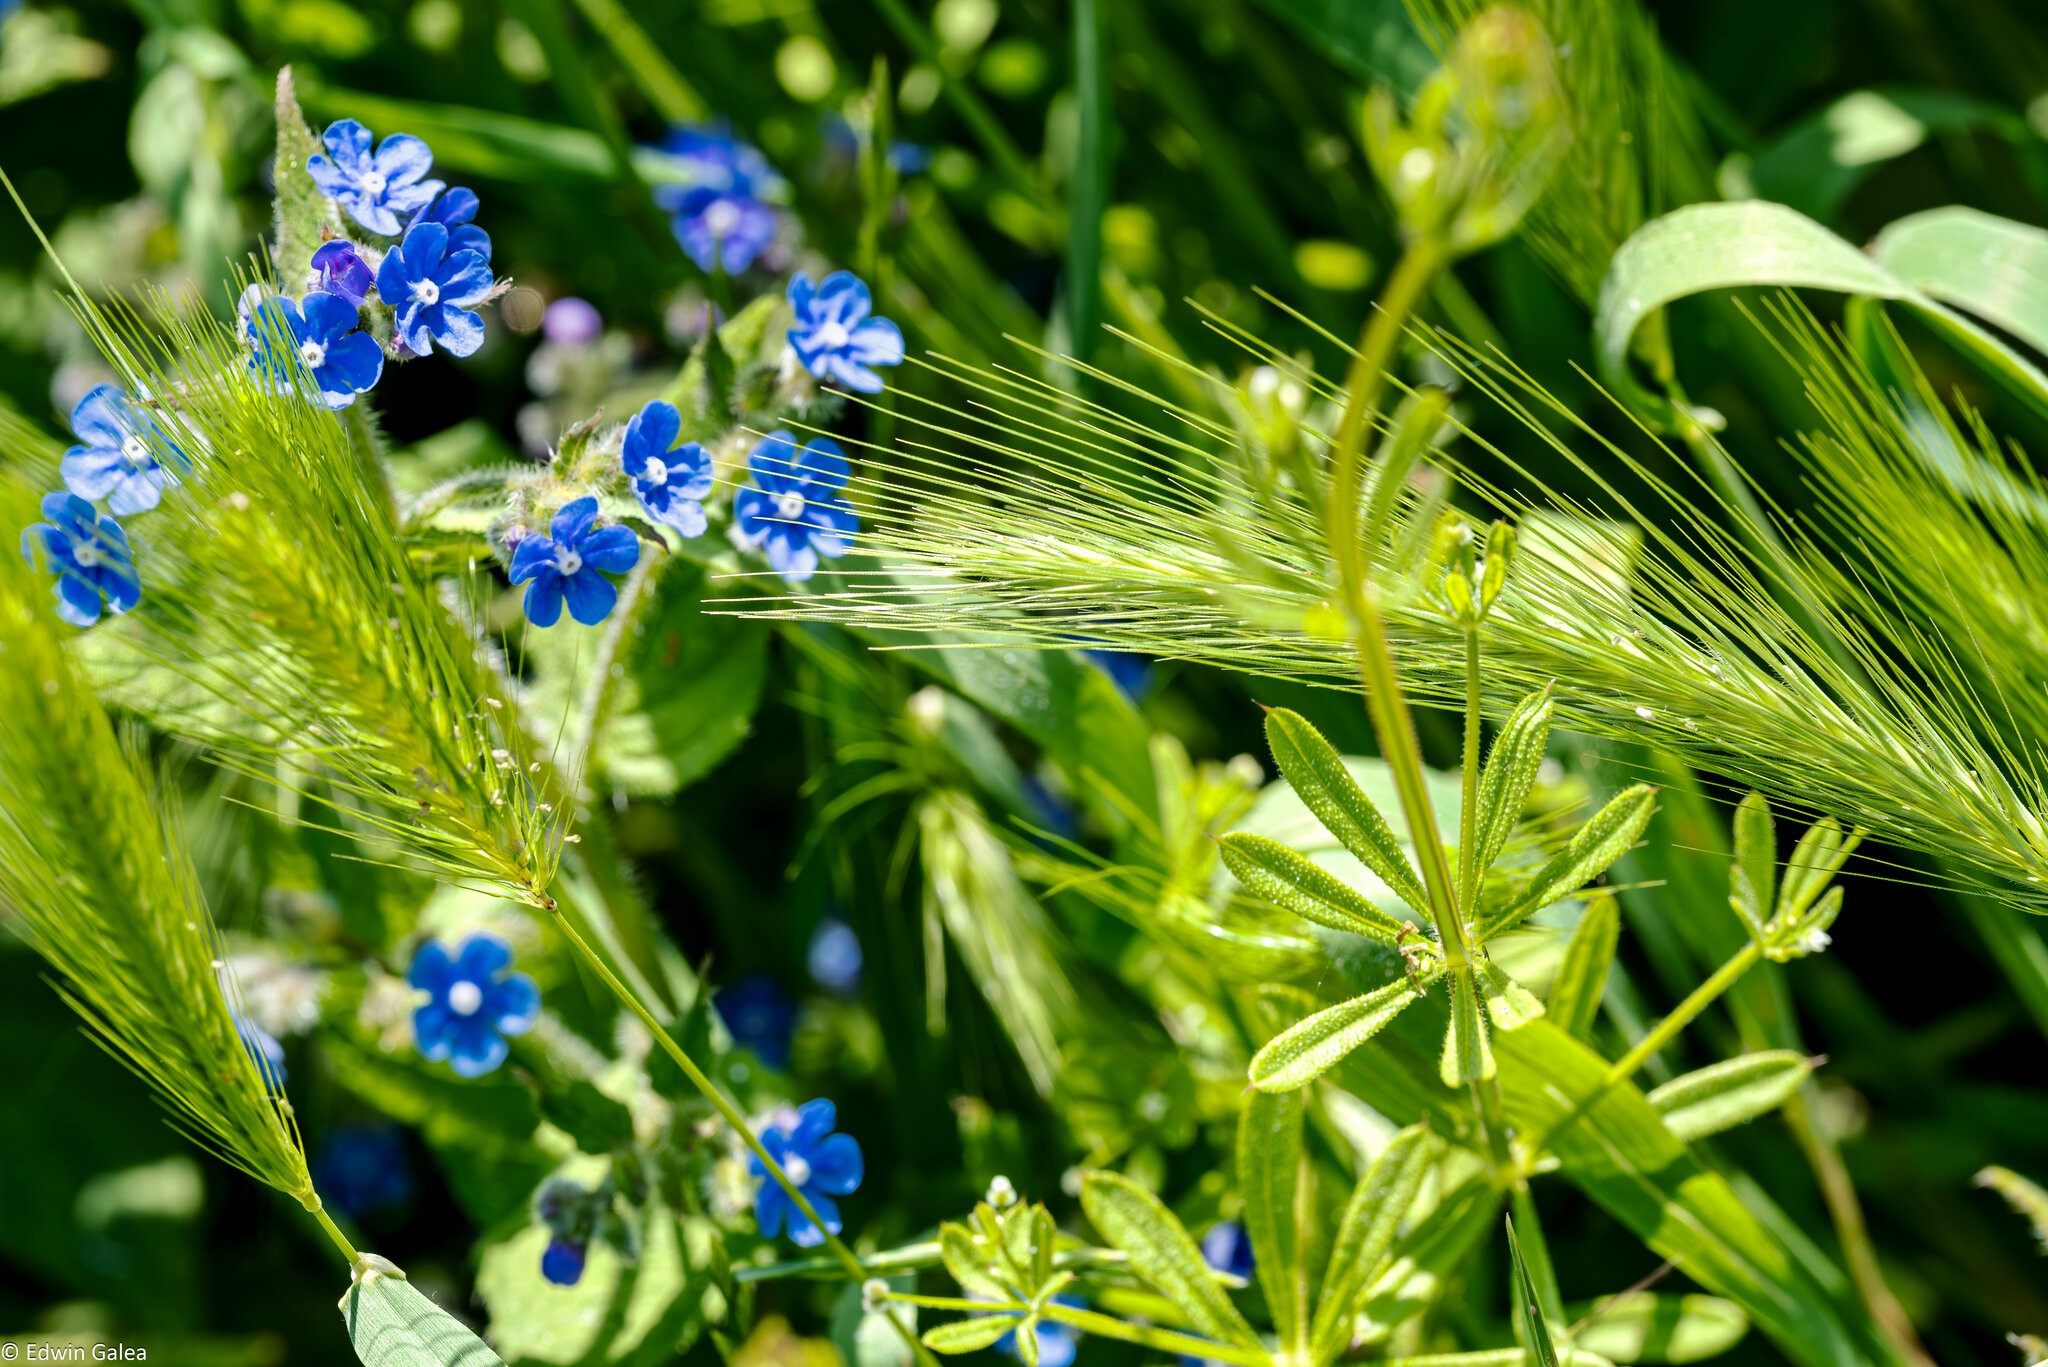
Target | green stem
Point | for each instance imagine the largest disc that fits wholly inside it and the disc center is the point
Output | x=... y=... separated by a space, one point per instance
x=657 y=77
x=1164 y=1340
x=348 y=1250
x=725 y=1106
x=1468 y=813
x=1684 y=1014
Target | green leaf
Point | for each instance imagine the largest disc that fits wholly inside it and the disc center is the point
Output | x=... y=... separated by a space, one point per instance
x=1468 y=1054
x=1815 y=861
x=1509 y=775
x=1582 y=978
x=964 y=1263
x=393 y=1325
x=1510 y=1005
x=304 y=217
x=967 y=1336
x=482 y=142
x=1724 y=1095
x=1993 y=267
x=1594 y=846
x=1430 y=1255
x=1272 y=871
x=1161 y=1252
x=1752 y=886
x=2023 y=1196
x=1317 y=774
x=1312 y=1047
x=1269 y=1172
x=1529 y=1325
x=1378 y=1206
x=1648 y=1328
x=1754 y=243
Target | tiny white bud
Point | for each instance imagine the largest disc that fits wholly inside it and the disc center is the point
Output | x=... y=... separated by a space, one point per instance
x=874 y=1293
x=1001 y=1194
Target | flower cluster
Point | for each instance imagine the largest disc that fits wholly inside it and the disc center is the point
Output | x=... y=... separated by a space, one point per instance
x=720 y=210
x=427 y=283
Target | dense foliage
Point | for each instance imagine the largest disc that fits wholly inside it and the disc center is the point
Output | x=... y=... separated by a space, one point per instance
x=767 y=682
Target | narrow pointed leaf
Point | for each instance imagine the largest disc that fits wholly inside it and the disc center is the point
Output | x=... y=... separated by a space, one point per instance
x=967 y=1336
x=1815 y=861
x=1510 y=773
x=1724 y=1095
x=2025 y=1197
x=1594 y=846
x=1311 y=1048
x=1269 y=1172
x=1529 y=1325
x=965 y=1265
x=1752 y=884
x=1365 y=1235
x=1510 y=1005
x=1582 y=978
x=1300 y=885
x=1161 y=1252
x=1468 y=1054
x=392 y=1325
x=1317 y=773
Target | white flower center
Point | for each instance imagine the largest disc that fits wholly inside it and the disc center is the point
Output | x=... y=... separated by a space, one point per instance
x=655 y=473
x=314 y=355
x=134 y=450
x=425 y=292
x=372 y=183
x=830 y=335
x=789 y=507
x=721 y=218
x=799 y=1171
x=567 y=562
x=465 y=998
x=86 y=555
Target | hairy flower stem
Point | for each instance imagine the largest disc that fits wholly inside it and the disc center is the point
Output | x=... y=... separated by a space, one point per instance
x=725 y=1106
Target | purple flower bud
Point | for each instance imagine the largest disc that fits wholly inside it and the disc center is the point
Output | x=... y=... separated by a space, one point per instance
x=339 y=269
x=572 y=322
x=563 y=1262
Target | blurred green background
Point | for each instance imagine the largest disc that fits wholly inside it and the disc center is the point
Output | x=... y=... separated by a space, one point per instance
x=1205 y=151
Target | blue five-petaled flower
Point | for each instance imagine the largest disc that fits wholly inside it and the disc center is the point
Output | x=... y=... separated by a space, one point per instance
x=89 y=555
x=453 y=211
x=669 y=480
x=342 y=361
x=431 y=286
x=570 y=563
x=834 y=335
x=380 y=189
x=119 y=456
x=793 y=507
x=818 y=1162
x=472 y=1004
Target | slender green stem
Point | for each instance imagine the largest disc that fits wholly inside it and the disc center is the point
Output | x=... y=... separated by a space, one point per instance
x=725 y=1106
x=1468 y=812
x=1684 y=1014
x=960 y=1303
x=656 y=75
x=1164 y=1340
x=348 y=1250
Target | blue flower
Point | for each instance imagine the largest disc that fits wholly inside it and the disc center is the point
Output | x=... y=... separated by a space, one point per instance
x=89 y=555
x=669 y=480
x=834 y=957
x=793 y=507
x=264 y=1051
x=819 y=1163
x=363 y=1168
x=378 y=188
x=120 y=455
x=343 y=361
x=1227 y=1248
x=453 y=211
x=1130 y=672
x=563 y=1261
x=338 y=268
x=760 y=1016
x=1057 y=1342
x=835 y=337
x=717 y=213
x=571 y=563
x=431 y=286
x=473 y=1003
